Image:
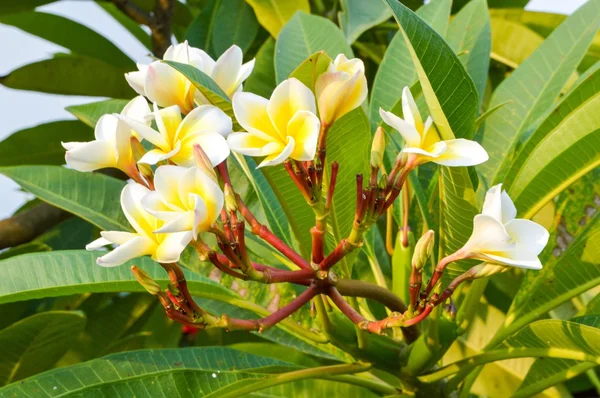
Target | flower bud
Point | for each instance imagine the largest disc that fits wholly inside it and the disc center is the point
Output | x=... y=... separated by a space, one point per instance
x=423 y=250
x=342 y=88
x=486 y=269
x=146 y=281
x=378 y=148
x=138 y=152
x=230 y=202
x=203 y=162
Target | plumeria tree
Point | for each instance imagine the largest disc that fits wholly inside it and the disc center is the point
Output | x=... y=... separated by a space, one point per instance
x=363 y=210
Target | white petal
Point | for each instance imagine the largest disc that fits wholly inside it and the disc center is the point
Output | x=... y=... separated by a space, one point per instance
x=91 y=155
x=248 y=144
x=166 y=182
x=251 y=113
x=183 y=222
x=136 y=247
x=118 y=237
x=140 y=219
x=489 y=235
x=137 y=109
x=213 y=144
x=409 y=133
x=201 y=221
x=106 y=128
x=331 y=90
x=227 y=69
x=492 y=205
x=201 y=60
x=519 y=257
x=205 y=118
x=304 y=128
x=410 y=111
x=168 y=121
x=137 y=79
x=509 y=211
x=171 y=247
x=288 y=98
x=461 y=152
x=528 y=234
x=72 y=145
x=196 y=182
x=431 y=153
x=246 y=70
x=166 y=86
x=97 y=244
x=279 y=158
x=146 y=132
x=157 y=155
x=153 y=204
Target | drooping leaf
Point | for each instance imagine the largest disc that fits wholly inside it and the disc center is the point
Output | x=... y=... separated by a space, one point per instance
x=189 y=371
x=274 y=14
x=469 y=35
x=533 y=87
x=91 y=196
x=42 y=144
x=90 y=113
x=262 y=79
x=69 y=34
x=396 y=70
x=303 y=36
x=34 y=344
x=358 y=16
x=235 y=23
x=70 y=75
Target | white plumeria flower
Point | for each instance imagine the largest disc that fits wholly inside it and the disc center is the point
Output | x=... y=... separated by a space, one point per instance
x=500 y=238
x=342 y=88
x=166 y=86
x=164 y=248
x=206 y=125
x=423 y=144
x=187 y=199
x=284 y=126
x=112 y=146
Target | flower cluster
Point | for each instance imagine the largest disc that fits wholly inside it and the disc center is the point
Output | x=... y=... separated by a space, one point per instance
x=170 y=139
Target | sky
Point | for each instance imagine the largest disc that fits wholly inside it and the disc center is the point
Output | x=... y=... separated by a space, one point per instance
x=23 y=109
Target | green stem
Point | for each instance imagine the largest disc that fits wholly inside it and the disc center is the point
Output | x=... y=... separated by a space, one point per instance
x=322 y=315
x=557 y=378
x=373 y=385
x=323 y=371
x=468 y=364
x=591 y=374
x=469 y=306
x=356 y=288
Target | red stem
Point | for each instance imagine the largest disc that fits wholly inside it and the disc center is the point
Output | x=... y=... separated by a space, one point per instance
x=288 y=309
x=334 y=172
x=345 y=307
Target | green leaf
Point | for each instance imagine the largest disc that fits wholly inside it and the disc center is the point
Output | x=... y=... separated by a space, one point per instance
x=61 y=273
x=396 y=70
x=186 y=372
x=70 y=75
x=131 y=26
x=459 y=4
x=469 y=36
x=71 y=234
x=91 y=196
x=533 y=87
x=10 y=6
x=513 y=43
x=69 y=34
x=303 y=36
x=36 y=343
x=90 y=113
x=274 y=14
x=29 y=247
x=262 y=79
x=575 y=272
x=548 y=372
x=559 y=152
x=199 y=33
x=358 y=16
x=42 y=144
x=234 y=23
x=309 y=70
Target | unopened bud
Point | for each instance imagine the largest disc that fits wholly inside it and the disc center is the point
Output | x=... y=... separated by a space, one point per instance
x=401 y=159
x=230 y=202
x=486 y=269
x=146 y=281
x=138 y=150
x=203 y=162
x=378 y=148
x=423 y=250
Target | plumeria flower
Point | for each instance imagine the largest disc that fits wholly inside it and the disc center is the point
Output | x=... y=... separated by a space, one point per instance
x=206 y=125
x=112 y=146
x=501 y=239
x=342 y=88
x=423 y=144
x=284 y=126
x=187 y=199
x=166 y=86
x=164 y=248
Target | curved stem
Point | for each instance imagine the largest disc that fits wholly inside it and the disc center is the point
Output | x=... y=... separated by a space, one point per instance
x=356 y=288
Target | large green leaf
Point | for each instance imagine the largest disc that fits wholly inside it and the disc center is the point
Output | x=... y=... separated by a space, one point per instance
x=469 y=36
x=513 y=43
x=42 y=144
x=91 y=196
x=36 y=343
x=534 y=86
x=132 y=27
x=274 y=14
x=235 y=23
x=358 y=16
x=71 y=75
x=90 y=113
x=10 y=6
x=396 y=70
x=550 y=371
x=560 y=151
x=61 y=273
x=69 y=34
x=262 y=79
x=181 y=372
x=459 y=4
x=303 y=36
x=199 y=33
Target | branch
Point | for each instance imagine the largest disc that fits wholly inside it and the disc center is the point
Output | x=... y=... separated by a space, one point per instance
x=29 y=224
